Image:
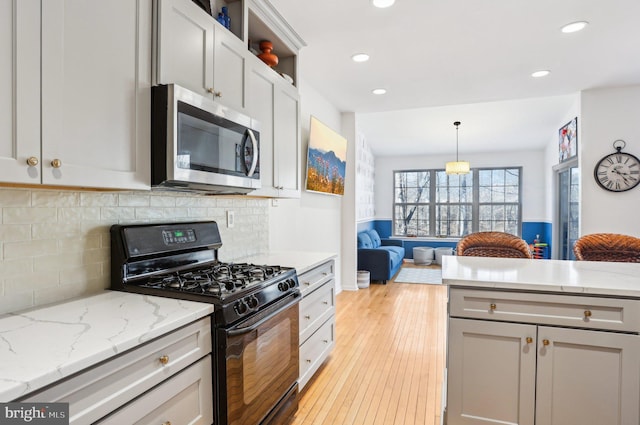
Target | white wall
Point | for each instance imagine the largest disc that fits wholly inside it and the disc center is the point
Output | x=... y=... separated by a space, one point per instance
x=533 y=183
x=313 y=222
x=608 y=115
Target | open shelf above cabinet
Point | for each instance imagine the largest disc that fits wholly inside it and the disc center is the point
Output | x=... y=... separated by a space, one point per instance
x=235 y=10
x=265 y=23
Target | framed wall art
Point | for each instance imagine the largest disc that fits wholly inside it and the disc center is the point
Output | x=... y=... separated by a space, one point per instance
x=568 y=140
x=326 y=159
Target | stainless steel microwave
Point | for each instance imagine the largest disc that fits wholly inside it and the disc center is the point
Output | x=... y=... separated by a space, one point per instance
x=200 y=145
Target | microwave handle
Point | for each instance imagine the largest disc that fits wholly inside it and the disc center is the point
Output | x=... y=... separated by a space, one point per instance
x=254 y=163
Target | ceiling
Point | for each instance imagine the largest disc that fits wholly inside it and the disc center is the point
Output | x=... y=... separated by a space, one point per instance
x=463 y=60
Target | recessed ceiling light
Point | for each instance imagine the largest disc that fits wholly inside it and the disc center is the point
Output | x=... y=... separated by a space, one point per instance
x=574 y=26
x=542 y=73
x=383 y=3
x=360 y=57
x=379 y=91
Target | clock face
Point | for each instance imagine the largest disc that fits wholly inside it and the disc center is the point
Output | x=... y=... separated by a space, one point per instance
x=618 y=172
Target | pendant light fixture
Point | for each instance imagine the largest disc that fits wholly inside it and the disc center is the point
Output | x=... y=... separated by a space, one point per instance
x=457 y=166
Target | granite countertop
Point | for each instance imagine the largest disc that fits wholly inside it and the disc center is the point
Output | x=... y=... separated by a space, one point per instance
x=43 y=345
x=571 y=277
x=302 y=261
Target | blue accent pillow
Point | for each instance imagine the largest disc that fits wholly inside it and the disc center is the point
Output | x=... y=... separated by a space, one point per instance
x=375 y=238
x=364 y=240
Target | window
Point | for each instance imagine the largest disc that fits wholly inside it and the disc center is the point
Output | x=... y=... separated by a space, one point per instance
x=432 y=203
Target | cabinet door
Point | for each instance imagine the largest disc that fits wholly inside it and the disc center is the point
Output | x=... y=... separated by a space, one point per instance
x=587 y=377
x=229 y=69
x=286 y=134
x=260 y=106
x=491 y=373
x=20 y=88
x=184 y=50
x=96 y=79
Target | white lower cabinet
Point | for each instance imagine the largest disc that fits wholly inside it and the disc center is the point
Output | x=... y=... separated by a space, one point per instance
x=505 y=372
x=183 y=399
x=317 y=319
x=103 y=389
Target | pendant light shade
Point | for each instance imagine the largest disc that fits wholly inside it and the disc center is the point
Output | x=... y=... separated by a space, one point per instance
x=457 y=166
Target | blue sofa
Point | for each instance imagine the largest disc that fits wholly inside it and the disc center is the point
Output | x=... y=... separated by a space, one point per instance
x=381 y=257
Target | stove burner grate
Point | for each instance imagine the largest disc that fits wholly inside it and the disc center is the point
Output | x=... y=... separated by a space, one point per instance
x=218 y=280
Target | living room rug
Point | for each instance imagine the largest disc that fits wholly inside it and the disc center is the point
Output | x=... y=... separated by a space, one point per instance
x=430 y=276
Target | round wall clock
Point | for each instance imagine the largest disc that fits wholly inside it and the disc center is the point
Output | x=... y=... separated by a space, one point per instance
x=619 y=171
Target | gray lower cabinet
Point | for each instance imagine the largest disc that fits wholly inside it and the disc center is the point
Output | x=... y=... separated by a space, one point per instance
x=317 y=319
x=173 y=372
x=542 y=359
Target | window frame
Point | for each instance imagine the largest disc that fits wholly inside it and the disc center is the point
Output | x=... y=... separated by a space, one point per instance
x=432 y=205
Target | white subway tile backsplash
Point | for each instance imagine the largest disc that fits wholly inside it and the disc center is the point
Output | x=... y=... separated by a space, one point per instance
x=58 y=230
x=55 y=245
x=42 y=198
x=32 y=248
x=133 y=200
x=98 y=199
x=15 y=198
x=15 y=232
x=27 y=215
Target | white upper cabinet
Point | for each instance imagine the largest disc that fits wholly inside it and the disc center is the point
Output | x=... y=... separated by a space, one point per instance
x=275 y=103
x=20 y=88
x=197 y=53
x=96 y=79
x=93 y=93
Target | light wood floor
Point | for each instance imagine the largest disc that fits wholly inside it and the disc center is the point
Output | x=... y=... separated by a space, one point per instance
x=388 y=363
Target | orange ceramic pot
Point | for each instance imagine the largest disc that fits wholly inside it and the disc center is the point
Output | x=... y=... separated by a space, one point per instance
x=266 y=56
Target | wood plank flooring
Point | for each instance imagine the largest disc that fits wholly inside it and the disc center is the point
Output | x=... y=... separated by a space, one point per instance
x=388 y=363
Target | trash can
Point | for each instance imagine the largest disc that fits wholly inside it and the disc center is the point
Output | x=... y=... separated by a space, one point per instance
x=363 y=279
x=423 y=255
x=442 y=251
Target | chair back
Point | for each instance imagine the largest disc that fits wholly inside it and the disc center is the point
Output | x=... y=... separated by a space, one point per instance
x=607 y=247
x=493 y=244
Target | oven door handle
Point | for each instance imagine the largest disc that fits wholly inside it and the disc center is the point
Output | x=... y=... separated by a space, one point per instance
x=241 y=331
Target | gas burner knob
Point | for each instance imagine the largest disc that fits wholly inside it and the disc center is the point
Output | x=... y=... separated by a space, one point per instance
x=240 y=307
x=292 y=283
x=253 y=302
x=283 y=286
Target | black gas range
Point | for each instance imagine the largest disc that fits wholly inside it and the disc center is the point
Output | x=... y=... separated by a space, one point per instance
x=180 y=260
x=255 y=321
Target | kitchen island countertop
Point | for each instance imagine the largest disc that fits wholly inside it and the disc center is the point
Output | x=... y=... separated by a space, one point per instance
x=43 y=345
x=558 y=276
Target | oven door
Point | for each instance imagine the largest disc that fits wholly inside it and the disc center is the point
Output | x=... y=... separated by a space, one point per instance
x=257 y=365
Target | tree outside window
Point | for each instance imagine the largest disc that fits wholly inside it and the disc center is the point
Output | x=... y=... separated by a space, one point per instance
x=432 y=203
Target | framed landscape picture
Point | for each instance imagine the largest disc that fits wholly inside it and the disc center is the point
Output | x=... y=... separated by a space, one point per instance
x=568 y=140
x=326 y=159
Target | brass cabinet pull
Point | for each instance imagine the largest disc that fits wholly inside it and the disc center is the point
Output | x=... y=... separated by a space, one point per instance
x=325 y=302
x=166 y=423
x=587 y=313
x=32 y=161
x=307 y=317
x=213 y=92
x=164 y=359
x=308 y=361
x=326 y=341
x=529 y=340
x=492 y=307
x=307 y=283
x=56 y=163
x=545 y=342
